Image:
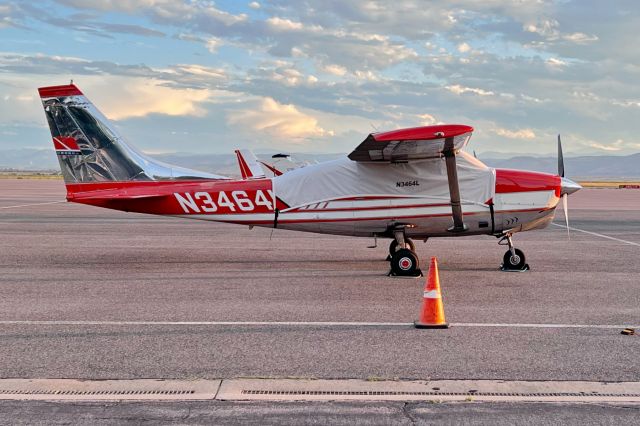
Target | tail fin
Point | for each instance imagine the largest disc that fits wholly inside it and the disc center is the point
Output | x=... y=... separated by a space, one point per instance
x=90 y=150
x=249 y=166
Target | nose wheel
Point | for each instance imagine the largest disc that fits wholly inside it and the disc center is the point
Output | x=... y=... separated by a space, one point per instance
x=513 y=259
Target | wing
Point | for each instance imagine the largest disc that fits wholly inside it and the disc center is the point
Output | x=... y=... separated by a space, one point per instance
x=420 y=143
x=413 y=144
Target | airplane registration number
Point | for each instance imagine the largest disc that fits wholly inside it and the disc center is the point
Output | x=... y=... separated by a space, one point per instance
x=407 y=183
x=225 y=201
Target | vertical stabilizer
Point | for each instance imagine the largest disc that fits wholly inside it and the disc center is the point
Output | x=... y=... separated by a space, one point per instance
x=250 y=168
x=89 y=149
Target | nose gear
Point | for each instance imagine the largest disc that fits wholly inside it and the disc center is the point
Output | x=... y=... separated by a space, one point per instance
x=513 y=259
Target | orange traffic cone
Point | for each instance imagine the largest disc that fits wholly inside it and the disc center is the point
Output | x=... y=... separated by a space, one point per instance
x=432 y=310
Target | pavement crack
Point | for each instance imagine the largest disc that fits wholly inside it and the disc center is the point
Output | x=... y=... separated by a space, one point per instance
x=407 y=414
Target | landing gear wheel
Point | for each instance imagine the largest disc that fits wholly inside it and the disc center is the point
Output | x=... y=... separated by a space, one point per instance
x=405 y=263
x=394 y=246
x=511 y=262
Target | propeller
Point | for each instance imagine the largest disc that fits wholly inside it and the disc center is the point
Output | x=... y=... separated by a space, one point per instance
x=565 y=206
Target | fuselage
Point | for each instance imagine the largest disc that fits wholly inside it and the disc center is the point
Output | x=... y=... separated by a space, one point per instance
x=518 y=201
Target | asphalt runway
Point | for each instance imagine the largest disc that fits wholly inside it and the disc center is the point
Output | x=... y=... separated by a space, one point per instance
x=62 y=263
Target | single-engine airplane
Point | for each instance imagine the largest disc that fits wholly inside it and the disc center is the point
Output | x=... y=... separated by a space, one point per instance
x=403 y=184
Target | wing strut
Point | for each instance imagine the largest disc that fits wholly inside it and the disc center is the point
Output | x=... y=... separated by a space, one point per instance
x=454 y=188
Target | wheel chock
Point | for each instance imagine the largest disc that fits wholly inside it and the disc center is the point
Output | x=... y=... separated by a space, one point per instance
x=417 y=274
x=524 y=268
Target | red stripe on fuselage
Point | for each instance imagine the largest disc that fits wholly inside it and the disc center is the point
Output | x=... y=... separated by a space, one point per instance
x=364 y=219
x=525 y=181
x=356 y=209
x=163 y=197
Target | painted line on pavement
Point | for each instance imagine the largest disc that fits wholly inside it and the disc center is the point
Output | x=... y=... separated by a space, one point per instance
x=35 y=204
x=305 y=324
x=597 y=235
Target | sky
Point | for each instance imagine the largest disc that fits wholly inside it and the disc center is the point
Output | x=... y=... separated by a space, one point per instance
x=318 y=76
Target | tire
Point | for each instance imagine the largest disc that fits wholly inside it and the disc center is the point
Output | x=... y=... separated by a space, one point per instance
x=515 y=263
x=394 y=245
x=405 y=262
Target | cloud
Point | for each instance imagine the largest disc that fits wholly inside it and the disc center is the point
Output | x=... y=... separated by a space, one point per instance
x=496 y=64
x=192 y=76
x=10 y=16
x=555 y=63
x=464 y=48
x=611 y=148
x=144 y=97
x=280 y=24
x=213 y=44
x=459 y=90
x=515 y=134
x=276 y=119
x=427 y=119
x=581 y=38
x=334 y=69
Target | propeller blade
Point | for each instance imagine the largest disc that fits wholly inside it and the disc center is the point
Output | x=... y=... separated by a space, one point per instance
x=565 y=207
x=560 y=159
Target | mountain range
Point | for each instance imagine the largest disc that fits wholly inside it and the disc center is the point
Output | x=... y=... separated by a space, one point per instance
x=606 y=167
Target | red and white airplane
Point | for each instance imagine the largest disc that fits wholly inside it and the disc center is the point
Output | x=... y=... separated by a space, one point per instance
x=403 y=184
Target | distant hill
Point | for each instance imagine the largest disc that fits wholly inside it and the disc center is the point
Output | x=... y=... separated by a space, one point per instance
x=585 y=167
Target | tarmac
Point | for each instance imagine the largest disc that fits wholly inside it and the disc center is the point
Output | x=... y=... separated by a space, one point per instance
x=87 y=293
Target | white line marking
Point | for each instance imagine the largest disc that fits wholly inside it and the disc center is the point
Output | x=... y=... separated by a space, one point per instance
x=480 y=324
x=307 y=324
x=29 y=205
x=598 y=235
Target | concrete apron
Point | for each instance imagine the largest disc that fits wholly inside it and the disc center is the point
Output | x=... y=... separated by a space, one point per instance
x=319 y=390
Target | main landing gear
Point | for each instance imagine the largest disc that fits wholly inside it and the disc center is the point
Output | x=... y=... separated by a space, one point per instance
x=513 y=259
x=402 y=256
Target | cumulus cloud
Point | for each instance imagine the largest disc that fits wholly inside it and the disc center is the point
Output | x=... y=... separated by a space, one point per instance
x=145 y=97
x=515 y=134
x=277 y=119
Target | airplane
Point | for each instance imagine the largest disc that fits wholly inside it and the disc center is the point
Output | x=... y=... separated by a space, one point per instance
x=252 y=168
x=414 y=183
